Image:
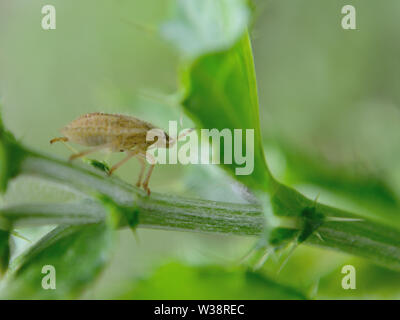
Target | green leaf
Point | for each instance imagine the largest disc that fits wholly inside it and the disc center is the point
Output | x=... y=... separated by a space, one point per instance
x=177 y=281
x=197 y=27
x=221 y=92
x=219 y=86
x=4 y=251
x=78 y=254
x=372 y=283
x=368 y=190
x=11 y=156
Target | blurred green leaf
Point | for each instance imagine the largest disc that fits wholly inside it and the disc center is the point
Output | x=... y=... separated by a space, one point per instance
x=198 y=27
x=78 y=254
x=221 y=92
x=11 y=156
x=370 y=191
x=372 y=282
x=177 y=281
x=4 y=251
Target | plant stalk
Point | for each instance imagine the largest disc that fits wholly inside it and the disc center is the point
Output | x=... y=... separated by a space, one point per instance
x=341 y=230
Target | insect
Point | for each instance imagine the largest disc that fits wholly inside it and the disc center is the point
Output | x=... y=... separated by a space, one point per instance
x=117 y=133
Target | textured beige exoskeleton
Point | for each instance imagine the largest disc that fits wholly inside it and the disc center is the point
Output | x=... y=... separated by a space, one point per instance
x=115 y=132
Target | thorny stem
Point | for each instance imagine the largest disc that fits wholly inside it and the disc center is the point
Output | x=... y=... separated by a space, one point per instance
x=156 y=211
x=366 y=238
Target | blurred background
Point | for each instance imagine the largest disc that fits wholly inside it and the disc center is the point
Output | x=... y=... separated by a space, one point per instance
x=330 y=118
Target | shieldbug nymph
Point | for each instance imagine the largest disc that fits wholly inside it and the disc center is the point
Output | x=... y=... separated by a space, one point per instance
x=117 y=133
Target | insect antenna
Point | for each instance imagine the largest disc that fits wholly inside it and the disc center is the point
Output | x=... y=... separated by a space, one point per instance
x=172 y=141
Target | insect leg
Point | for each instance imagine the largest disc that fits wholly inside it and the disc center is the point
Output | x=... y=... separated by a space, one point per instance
x=129 y=155
x=142 y=169
x=85 y=152
x=65 y=139
x=146 y=181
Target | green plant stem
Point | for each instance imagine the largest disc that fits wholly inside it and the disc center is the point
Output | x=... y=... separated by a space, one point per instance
x=156 y=211
x=182 y=215
x=366 y=238
x=372 y=240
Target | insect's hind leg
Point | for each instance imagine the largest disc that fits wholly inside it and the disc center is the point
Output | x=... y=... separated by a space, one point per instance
x=130 y=154
x=142 y=169
x=64 y=139
x=86 y=152
x=146 y=180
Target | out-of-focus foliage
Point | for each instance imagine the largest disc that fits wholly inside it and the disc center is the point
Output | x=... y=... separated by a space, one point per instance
x=321 y=275
x=329 y=100
x=10 y=156
x=4 y=251
x=373 y=282
x=177 y=281
x=329 y=106
x=204 y=26
x=77 y=253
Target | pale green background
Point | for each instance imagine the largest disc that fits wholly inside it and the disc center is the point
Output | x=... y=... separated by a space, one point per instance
x=325 y=92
